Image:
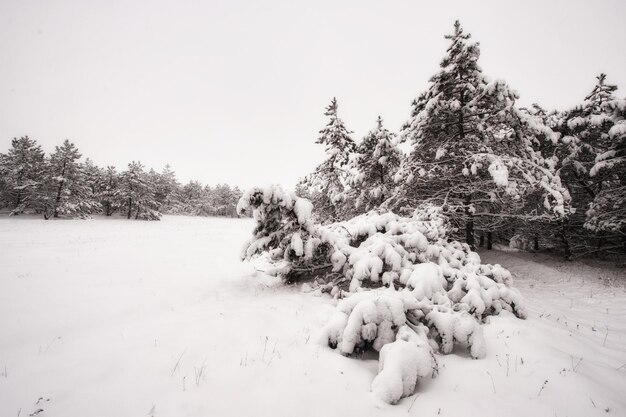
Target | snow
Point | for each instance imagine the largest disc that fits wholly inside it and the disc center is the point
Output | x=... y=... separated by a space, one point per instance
x=303 y=209
x=110 y=317
x=499 y=173
x=400 y=365
x=618 y=129
x=425 y=280
x=458 y=327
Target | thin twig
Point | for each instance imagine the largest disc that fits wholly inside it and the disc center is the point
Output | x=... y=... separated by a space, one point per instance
x=492 y=383
x=178 y=362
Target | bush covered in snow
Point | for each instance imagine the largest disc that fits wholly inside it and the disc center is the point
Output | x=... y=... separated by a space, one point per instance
x=406 y=289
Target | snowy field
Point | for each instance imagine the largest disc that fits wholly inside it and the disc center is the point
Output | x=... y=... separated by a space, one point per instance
x=110 y=317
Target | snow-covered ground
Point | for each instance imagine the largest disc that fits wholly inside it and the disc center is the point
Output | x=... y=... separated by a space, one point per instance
x=110 y=317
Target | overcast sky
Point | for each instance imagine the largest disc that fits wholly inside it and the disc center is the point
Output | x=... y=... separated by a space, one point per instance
x=234 y=91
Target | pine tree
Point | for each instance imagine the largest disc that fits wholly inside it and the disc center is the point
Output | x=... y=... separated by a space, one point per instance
x=225 y=200
x=166 y=193
x=136 y=193
x=95 y=179
x=109 y=191
x=21 y=175
x=327 y=185
x=193 y=197
x=376 y=163
x=67 y=192
x=607 y=211
x=585 y=137
x=472 y=148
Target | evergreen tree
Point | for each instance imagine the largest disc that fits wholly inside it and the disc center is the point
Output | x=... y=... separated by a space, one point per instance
x=376 y=163
x=95 y=179
x=585 y=138
x=607 y=212
x=328 y=184
x=21 y=175
x=534 y=231
x=109 y=191
x=166 y=193
x=192 y=199
x=472 y=148
x=67 y=192
x=136 y=194
x=225 y=200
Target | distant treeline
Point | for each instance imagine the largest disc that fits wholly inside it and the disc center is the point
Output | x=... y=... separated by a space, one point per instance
x=61 y=185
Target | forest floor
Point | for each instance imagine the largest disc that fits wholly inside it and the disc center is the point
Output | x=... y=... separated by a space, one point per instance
x=109 y=317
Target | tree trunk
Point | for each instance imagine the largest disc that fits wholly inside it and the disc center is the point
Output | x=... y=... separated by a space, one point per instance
x=130 y=207
x=489 y=241
x=469 y=233
x=536 y=243
x=19 y=199
x=481 y=242
x=57 y=201
x=469 y=224
x=567 y=251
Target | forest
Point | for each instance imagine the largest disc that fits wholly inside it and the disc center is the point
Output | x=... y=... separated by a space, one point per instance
x=528 y=177
x=61 y=185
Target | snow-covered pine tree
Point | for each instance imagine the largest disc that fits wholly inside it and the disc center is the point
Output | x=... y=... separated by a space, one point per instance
x=326 y=186
x=109 y=191
x=192 y=198
x=437 y=290
x=225 y=200
x=375 y=164
x=607 y=212
x=167 y=189
x=585 y=137
x=153 y=179
x=67 y=192
x=533 y=231
x=21 y=175
x=472 y=148
x=95 y=178
x=136 y=194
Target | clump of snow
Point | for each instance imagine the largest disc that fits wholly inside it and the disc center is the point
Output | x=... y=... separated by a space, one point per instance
x=368 y=319
x=499 y=173
x=401 y=363
x=450 y=327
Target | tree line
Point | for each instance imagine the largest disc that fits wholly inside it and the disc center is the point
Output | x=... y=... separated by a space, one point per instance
x=60 y=185
x=540 y=178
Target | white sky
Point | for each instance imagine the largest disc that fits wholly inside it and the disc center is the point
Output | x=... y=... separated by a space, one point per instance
x=234 y=91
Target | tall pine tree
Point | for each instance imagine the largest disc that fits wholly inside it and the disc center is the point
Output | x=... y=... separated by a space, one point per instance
x=376 y=163
x=21 y=175
x=166 y=193
x=136 y=194
x=472 y=148
x=67 y=192
x=109 y=191
x=327 y=185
